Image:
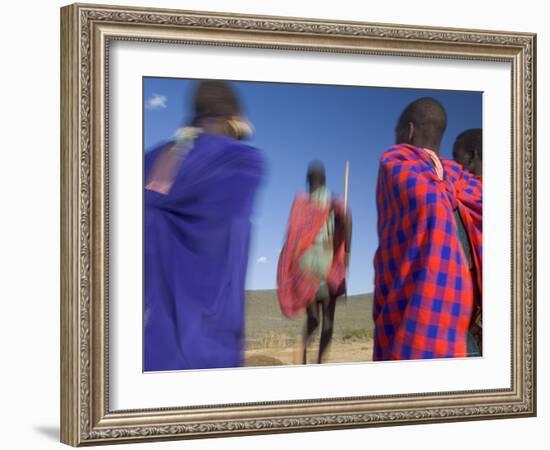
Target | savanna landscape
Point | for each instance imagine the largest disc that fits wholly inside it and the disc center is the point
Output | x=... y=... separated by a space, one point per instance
x=272 y=339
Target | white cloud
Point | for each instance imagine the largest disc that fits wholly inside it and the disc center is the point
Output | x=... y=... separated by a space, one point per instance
x=156 y=101
x=262 y=260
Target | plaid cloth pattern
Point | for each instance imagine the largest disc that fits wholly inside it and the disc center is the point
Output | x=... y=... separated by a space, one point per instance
x=296 y=288
x=424 y=291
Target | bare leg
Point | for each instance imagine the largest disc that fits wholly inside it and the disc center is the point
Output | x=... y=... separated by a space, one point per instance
x=312 y=323
x=329 y=307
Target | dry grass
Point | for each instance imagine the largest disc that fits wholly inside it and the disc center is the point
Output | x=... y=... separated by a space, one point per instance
x=272 y=339
x=266 y=324
x=358 y=334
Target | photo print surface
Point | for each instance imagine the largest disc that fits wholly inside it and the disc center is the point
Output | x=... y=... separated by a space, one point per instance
x=290 y=224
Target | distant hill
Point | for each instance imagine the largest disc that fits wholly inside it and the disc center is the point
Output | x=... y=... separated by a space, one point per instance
x=264 y=319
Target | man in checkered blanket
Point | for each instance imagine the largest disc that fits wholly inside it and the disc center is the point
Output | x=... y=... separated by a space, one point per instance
x=429 y=259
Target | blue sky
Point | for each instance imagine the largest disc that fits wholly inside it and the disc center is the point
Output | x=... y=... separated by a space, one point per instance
x=296 y=123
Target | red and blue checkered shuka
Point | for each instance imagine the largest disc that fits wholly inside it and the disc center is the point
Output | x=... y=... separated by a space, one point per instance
x=425 y=290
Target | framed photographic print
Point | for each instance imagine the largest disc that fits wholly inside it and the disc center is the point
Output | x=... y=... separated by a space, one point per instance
x=276 y=225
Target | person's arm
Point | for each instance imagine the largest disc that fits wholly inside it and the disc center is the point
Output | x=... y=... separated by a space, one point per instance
x=347 y=236
x=343 y=218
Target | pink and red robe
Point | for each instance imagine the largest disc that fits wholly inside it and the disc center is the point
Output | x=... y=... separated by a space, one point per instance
x=297 y=288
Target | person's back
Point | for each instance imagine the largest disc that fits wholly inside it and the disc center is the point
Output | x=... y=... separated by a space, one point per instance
x=317 y=242
x=311 y=271
x=196 y=241
x=424 y=289
x=319 y=256
x=196 y=244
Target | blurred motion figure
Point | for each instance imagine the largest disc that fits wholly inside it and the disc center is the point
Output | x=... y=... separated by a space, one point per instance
x=311 y=272
x=199 y=192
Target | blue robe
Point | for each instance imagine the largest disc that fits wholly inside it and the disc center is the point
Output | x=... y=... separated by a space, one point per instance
x=196 y=241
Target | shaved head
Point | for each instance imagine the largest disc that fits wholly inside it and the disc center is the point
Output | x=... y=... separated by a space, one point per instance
x=316 y=175
x=467 y=150
x=217 y=110
x=215 y=98
x=422 y=124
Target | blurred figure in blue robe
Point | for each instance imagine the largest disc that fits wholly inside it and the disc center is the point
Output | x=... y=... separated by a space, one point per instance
x=198 y=199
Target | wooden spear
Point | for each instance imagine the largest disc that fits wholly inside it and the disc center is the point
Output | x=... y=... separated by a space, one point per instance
x=346 y=176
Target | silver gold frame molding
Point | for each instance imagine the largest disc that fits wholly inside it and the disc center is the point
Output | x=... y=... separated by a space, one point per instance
x=86 y=34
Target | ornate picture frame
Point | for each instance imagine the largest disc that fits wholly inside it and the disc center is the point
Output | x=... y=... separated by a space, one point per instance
x=87 y=31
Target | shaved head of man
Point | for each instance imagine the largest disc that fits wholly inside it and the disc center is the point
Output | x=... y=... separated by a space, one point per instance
x=422 y=124
x=467 y=150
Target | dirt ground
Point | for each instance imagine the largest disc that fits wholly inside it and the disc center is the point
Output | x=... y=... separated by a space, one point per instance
x=340 y=351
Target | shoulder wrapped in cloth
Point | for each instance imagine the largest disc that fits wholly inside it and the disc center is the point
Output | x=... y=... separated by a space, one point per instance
x=196 y=253
x=302 y=265
x=425 y=289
